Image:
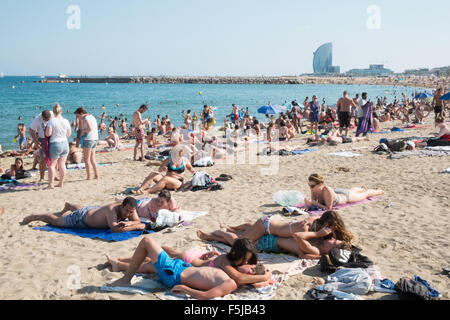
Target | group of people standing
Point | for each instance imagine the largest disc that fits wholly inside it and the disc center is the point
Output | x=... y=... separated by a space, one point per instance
x=50 y=132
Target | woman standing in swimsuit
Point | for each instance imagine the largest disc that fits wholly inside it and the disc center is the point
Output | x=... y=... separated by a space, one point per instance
x=326 y=198
x=175 y=166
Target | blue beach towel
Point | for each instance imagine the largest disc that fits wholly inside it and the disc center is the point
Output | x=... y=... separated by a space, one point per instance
x=297 y=152
x=104 y=234
x=397 y=129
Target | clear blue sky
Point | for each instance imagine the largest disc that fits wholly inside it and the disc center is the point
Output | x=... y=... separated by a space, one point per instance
x=210 y=37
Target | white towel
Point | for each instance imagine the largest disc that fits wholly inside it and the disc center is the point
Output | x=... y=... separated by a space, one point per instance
x=139 y=284
x=345 y=154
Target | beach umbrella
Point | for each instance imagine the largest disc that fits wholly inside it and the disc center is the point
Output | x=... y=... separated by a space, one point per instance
x=423 y=95
x=445 y=96
x=270 y=109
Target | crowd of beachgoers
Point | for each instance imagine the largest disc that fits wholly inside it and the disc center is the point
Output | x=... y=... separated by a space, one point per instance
x=204 y=139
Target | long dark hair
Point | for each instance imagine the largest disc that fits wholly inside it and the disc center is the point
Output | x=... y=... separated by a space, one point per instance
x=334 y=219
x=240 y=249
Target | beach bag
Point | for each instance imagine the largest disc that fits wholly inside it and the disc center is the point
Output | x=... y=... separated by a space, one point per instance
x=202 y=179
x=340 y=258
x=408 y=289
x=396 y=145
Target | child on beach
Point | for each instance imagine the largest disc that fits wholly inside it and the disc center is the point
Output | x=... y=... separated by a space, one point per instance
x=21 y=136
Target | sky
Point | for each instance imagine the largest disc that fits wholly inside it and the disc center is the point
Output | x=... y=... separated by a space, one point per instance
x=211 y=37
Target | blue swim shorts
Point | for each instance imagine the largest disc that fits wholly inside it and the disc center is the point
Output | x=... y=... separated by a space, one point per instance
x=269 y=244
x=170 y=270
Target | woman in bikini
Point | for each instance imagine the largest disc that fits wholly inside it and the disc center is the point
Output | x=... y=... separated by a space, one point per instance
x=175 y=166
x=323 y=197
x=308 y=238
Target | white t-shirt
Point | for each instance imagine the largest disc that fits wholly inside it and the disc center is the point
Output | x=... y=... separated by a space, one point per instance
x=59 y=129
x=93 y=134
x=360 y=111
x=39 y=125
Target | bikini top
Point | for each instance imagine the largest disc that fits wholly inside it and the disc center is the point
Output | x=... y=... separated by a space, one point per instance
x=180 y=169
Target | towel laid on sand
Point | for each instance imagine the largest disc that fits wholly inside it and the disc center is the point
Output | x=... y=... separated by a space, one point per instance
x=104 y=234
x=420 y=153
x=297 y=152
x=140 y=283
x=14 y=184
x=340 y=206
x=345 y=154
x=79 y=166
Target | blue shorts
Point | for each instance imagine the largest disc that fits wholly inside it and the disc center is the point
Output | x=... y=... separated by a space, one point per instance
x=170 y=270
x=76 y=218
x=268 y=243
x=90 y=144
x=41 y=150
x=59 y=149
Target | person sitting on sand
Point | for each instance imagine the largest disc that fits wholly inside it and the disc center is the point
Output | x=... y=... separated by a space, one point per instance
x=111 y=216
x=151 y=139
x=443 y=134
x=205 y=282
x=323 y=197
x=175 y=166
x=17 y=170
x=308 y=238
x=75 y=154
x=242 y=253
x=112 y=139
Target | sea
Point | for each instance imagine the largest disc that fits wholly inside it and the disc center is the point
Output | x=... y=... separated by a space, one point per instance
x=25 y=98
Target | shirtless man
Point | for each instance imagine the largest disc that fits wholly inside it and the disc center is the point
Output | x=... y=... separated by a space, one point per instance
x=111 y=216
x=182 y=277
x=344 y=106
x=139 y=126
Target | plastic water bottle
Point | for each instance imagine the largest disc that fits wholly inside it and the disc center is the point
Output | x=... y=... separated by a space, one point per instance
x=288 y=197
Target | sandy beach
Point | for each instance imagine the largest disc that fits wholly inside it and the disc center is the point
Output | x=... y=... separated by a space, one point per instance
x=404 y=234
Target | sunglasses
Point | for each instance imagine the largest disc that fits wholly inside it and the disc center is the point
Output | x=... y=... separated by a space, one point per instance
x=312 y=186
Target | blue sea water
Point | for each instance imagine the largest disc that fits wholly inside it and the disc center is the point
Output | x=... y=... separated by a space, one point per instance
x=27 y=99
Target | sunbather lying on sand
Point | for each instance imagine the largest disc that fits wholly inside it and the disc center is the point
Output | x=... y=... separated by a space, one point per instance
x=241 y=253
x=148 y=208
x=111 y=216
x=326 y=198
x=203 y=282
x=308 y=238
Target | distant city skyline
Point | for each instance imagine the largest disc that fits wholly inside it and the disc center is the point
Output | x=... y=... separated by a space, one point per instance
x=208 y=38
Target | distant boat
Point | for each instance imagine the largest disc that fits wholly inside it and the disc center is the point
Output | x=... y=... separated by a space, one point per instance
x=1 y=75
x=62 y=76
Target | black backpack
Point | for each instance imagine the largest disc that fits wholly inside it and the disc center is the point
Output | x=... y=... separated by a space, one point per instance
x=408 y=289
x=340 y=258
